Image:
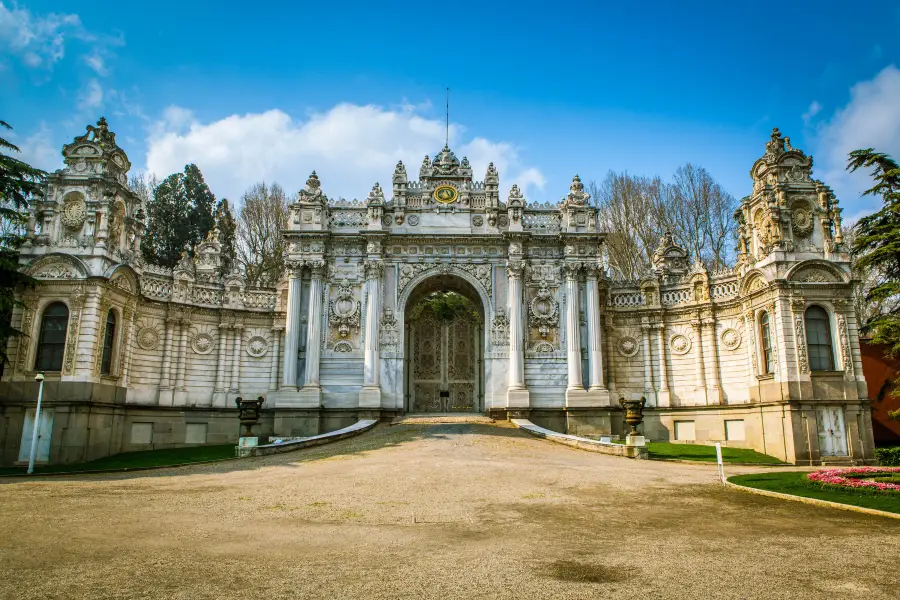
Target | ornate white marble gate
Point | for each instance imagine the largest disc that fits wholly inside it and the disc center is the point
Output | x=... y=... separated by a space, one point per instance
x=444 y=365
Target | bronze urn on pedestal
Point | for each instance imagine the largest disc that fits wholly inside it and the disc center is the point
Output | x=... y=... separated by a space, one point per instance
x=248 y=413
x=634 y=413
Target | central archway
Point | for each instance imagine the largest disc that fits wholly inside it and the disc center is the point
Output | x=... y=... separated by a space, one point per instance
x=444 y=359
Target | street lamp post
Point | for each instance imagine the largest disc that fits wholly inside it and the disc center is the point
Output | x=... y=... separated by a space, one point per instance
x=37 y=423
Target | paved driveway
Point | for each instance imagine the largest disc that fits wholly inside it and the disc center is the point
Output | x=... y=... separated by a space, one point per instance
x=441 y=511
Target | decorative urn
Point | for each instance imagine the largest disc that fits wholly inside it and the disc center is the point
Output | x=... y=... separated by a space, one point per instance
x=634 y=413
x=248 y=413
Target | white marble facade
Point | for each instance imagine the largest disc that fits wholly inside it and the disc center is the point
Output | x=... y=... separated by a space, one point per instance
x=559 y=338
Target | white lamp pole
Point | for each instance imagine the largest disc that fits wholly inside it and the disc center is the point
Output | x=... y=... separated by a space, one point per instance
x=37 y=423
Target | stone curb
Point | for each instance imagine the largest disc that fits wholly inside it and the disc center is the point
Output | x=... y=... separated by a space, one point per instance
x=361 y=426
x=580 y=442
x=814 y=501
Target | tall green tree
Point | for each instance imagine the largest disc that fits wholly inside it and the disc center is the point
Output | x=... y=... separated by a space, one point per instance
x=19 y=184
x=179 y=215
x=877 y=246
x=227 y=227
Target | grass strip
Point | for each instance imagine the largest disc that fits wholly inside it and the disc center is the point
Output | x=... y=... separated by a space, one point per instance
x=796 y=483
x=132 y=460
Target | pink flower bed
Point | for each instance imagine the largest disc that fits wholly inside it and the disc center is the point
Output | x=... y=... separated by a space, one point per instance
x=850 y=478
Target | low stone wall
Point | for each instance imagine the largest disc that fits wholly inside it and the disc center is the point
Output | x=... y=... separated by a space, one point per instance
x=582 y=443
x=316 y=440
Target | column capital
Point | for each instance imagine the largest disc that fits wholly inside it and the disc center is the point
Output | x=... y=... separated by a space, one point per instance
x=374 y=269
x=515 y=269
x=316 y=268
x=572 y=269
x=592 y=271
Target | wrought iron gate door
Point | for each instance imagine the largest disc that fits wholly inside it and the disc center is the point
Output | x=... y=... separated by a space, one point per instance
x=444 y=364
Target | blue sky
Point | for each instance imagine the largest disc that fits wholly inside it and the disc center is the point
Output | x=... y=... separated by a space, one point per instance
x=545 y=92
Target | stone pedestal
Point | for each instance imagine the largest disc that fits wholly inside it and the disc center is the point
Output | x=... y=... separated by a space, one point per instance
x=635 y=440
x=518 y=398
x=370 y=397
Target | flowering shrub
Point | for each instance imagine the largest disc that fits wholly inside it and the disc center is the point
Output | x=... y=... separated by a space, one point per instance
x=852 y=478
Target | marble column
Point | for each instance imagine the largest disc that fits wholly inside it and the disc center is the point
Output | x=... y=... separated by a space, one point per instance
x=273 y=368
x=517 y=395
x=595 y=344
x=664 y=395
x=219 y=396
x=714 y=392
x=236 y=359
x=648 y=360
x=180 y=396
x=610 y=357
x=750 y=338
x=370 y=395
x=700 y=385
x=292 y=331
x=312 y=391
x=165 y=380
x=573 y=332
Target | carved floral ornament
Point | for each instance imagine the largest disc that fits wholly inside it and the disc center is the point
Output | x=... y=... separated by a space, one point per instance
x=257 y=346
x=74 y=211
x=802 y=220
x=544 y=310
x=148 y=338
x=344 y=311
x=627 y=346
x=680 y=344
x=202 y=343
x=731 y=338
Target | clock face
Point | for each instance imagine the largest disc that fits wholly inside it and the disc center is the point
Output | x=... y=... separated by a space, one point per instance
x=446 y=194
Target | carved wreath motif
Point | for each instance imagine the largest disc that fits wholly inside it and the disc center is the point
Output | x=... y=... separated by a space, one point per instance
x=148 y=338
x=680 y=344
x=544 y=310
x=731 y=338
x=802 y=222
x=74 y=213
x=202 y=343
x=257 y=346
x=344 y=311
x=627 y=346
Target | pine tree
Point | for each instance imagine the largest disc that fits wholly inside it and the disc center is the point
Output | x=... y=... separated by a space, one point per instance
x=179 y=215
x=877 y=245
x=227 y=227
x=19 y=182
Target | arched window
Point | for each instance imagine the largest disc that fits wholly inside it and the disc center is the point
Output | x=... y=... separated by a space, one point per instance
x=108 y=341
x=818 y=339
x=52 y=341
x=765 y=332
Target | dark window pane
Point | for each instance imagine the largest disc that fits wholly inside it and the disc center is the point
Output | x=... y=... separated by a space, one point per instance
x=108 y=338
x=768 y=355
x=818 y=339
x=52 y=339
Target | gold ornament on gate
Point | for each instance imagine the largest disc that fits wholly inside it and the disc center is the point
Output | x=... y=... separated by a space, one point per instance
x=445 y=194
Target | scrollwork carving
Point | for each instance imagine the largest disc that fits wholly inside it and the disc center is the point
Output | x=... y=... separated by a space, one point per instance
x=544 y=310
x=344 y=311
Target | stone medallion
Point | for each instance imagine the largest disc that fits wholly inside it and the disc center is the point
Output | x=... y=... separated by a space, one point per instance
x=148 y=338
x=74 y=212
x=680 y=344
x=802 y=222
x=257 y=346
x=413 y=220
x=202 y=343
x=731 y=338
x=627 y=346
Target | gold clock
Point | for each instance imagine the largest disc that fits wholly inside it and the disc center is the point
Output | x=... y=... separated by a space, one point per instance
x=446 y=194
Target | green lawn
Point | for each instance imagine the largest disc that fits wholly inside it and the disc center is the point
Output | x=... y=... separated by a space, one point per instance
x=130 y=460
x=703 y=453
x=796 y=483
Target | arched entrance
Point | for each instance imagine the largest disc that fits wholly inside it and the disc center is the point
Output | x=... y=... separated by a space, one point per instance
x=444 y=371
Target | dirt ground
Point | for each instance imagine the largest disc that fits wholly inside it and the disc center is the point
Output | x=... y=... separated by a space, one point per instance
x=440 y=511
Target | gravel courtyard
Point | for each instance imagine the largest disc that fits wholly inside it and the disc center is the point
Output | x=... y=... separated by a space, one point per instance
x=441 y=511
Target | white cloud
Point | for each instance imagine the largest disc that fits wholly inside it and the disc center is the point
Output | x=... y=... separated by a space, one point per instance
x=350 y=147
x=96 y=63
x=91 y=95
x=38 y=149
x=38 y=40
x=870 y=120
x=814 y=109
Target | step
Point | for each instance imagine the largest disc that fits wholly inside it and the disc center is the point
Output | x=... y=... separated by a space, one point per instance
x=436 y=418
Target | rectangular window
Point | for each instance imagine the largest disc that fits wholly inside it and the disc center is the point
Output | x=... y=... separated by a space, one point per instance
x=142 y=433
x=684 y=431
x=766 y=334
x=734 y=430
x=195 y=433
